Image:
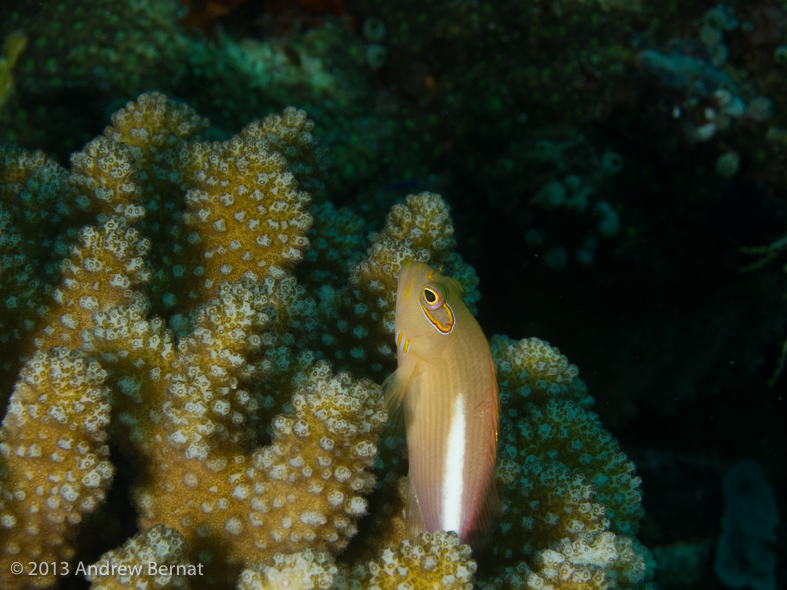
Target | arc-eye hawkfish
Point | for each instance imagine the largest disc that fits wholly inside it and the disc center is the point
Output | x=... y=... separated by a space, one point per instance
x=446 y=386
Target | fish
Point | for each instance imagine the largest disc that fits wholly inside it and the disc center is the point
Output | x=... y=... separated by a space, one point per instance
x=446 y=389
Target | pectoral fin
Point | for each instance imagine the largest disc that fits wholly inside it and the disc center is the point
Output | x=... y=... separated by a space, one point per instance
x=412 y=512
x=394 y=388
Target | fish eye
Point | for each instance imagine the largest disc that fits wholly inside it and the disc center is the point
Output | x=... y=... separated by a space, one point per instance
x=436 y=308
x=432 y=296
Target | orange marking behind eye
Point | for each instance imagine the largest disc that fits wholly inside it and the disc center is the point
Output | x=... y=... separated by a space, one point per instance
x=443 y=329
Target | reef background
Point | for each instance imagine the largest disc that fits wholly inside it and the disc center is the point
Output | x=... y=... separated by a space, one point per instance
x=615 y=172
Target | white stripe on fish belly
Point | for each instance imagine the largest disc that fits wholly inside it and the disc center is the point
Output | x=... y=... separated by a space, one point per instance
x=453 y=472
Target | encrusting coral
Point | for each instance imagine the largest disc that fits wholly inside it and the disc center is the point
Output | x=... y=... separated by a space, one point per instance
x=184 y=316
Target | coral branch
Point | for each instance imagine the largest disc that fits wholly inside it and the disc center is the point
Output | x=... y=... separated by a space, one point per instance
x=250 y=452
x=54 y=458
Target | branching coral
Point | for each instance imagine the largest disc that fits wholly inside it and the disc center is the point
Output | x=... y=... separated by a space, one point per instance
x=359 y=317
x=603 y=562
x=564 y=481
x=305 y=569
x=110 y=45
x=129 y=565
x=33 y=207
x=547 y=431
x=104 y=181
x=243 y=182
x=252 y=456
x=55 y=464
x=98 y=276
x=432 y=560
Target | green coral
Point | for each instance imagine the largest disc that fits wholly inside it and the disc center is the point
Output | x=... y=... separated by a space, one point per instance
x=110 y=45
x=13 y=47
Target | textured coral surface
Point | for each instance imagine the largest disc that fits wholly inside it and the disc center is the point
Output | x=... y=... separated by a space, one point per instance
x=178 y=329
